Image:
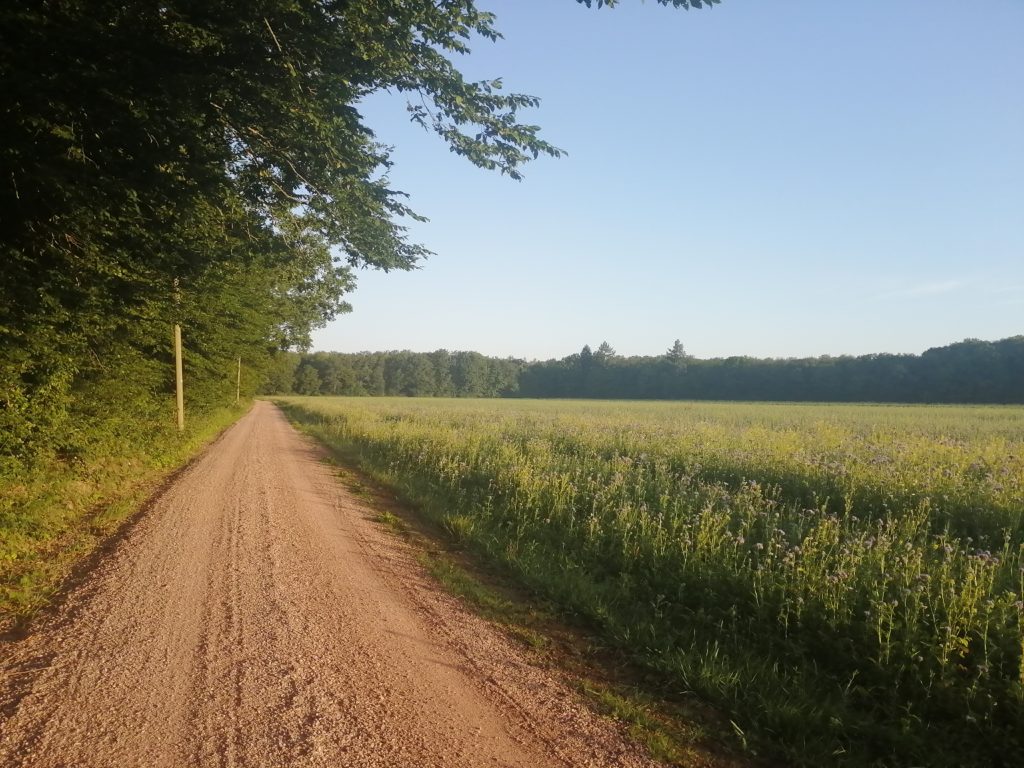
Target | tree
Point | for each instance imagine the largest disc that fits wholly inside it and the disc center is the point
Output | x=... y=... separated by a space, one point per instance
x=676 y=351
x=604 y=351
x=307 y=380
x=469 y=374
x=441 y=364
x=280 y=375
x=374 y=381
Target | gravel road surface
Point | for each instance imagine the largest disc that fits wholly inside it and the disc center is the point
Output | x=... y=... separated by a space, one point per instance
x=255 y=615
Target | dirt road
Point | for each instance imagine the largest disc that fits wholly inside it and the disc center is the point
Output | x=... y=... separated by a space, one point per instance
x=256 y=616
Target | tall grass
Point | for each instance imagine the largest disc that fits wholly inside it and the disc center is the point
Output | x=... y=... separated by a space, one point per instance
x=846 y=581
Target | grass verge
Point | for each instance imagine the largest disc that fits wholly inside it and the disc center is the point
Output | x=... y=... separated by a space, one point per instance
x=54 y=516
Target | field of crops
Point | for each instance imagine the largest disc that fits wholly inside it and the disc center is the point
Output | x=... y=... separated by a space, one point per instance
x=844 y=581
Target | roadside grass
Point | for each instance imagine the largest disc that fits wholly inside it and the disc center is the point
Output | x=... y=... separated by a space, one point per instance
x=671 y=734
x=677 y=730
x=52 y=517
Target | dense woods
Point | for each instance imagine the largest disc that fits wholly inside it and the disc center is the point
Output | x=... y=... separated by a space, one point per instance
x=970 y=371
x=412 y=374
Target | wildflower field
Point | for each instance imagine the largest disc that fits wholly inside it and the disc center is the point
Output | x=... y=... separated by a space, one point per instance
x=843 y=581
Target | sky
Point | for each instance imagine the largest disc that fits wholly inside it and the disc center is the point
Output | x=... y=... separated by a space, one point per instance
x=784 y=179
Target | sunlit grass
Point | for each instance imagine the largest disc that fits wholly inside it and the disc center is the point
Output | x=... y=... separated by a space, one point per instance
x=845 y=580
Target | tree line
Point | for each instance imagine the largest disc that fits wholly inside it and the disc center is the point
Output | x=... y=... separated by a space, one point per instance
x=970 y=371
x=398 y=373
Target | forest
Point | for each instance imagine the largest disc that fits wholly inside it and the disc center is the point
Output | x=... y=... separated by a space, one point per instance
x=970 y=371
x=206 y=164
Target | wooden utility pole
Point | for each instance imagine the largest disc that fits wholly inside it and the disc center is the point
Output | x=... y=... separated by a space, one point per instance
x=179 y=379
x=238 y=383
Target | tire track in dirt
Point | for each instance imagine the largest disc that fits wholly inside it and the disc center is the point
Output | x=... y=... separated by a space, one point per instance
x=256 y=616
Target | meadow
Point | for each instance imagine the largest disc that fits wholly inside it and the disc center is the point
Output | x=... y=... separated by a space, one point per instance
x=844 y=581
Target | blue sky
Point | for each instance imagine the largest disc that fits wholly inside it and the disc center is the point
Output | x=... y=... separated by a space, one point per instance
x=777 y=179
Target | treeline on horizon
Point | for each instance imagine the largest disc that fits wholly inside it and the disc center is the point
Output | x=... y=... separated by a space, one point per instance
x=970 y=371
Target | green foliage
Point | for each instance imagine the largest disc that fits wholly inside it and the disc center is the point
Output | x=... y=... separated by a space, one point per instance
x=411 y=374
x=206 y=164
x=844 y=580
x=970 y=371
x=307 y=380
x=280 y=374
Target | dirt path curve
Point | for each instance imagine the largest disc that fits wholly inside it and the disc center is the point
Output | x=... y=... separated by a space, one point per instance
x=256 y=616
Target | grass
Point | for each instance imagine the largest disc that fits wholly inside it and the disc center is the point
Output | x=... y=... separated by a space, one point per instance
x=844 y=581
x=673 y=740
x=669 y=737
x=681 y=734
x=54 y=514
